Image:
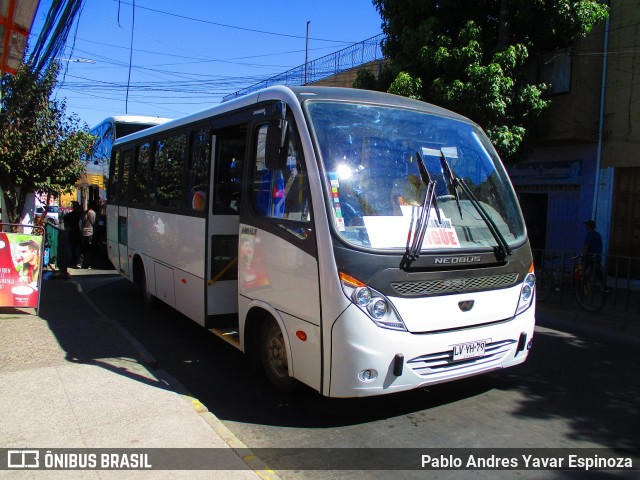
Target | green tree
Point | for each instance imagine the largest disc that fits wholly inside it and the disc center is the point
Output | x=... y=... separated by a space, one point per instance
x=41 y=149
x=472 y=56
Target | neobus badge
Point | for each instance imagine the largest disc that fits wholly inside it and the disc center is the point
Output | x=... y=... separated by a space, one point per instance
x=466 y=305
x=450 y=260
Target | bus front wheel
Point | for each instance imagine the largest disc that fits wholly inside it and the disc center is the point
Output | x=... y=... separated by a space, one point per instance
x=273 y=354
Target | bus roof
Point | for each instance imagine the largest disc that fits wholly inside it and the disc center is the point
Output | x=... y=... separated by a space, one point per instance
x=368 y=96
x=301 y=94
x=134 y=119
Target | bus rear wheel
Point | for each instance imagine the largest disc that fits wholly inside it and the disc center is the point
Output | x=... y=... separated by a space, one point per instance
x=140 y=279
x=273 y=355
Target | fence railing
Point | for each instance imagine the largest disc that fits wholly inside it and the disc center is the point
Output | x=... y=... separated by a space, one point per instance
x=556 y=280
x=56 y=245
x=361 y=53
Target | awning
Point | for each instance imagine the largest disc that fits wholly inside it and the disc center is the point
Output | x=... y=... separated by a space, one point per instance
x=16 y=18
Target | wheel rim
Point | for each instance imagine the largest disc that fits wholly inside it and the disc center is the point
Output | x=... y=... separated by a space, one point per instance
x=276 y=352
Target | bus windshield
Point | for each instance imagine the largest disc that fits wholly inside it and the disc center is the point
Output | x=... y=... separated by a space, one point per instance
x=380 y=163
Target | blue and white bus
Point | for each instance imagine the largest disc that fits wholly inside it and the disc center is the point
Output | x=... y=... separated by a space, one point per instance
x=106 y=133
x=357 y=242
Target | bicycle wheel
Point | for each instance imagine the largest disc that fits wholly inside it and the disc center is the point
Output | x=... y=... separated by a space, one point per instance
x=590 y=295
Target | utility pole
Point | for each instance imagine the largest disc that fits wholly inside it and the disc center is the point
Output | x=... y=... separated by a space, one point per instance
x=306 y=54
x=133 y=24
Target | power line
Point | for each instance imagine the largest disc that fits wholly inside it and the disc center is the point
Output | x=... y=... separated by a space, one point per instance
x=209 y=22
x=53 y=37
x=209 y=59
x=88 y=53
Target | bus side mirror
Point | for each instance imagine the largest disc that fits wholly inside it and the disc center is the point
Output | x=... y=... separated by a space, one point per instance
x=276 y=142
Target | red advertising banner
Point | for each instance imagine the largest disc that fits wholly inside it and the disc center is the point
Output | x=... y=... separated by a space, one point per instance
x=20 y=269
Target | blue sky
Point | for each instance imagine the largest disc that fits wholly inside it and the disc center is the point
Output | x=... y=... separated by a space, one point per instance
x=187 y=55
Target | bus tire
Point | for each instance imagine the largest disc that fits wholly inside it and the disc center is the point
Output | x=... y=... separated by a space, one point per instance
x=148 y=299
x=273 y=356
x=140 y=279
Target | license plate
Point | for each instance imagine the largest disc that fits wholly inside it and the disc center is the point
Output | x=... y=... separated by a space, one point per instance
x=469 y=350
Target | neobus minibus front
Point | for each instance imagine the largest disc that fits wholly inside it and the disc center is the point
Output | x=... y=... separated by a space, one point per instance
x=359 y=242
x=430 y=277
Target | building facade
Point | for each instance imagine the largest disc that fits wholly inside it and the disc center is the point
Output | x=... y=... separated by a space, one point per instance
x=586 y=164
x=587 y=161
x=621 y=134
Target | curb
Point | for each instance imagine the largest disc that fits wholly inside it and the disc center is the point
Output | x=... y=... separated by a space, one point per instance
x=253 y=462
x=149 y=361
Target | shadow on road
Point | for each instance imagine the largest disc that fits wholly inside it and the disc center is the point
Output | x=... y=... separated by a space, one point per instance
x=88 y=338
x=590 y=384
x=222 y=378
x=585 y=381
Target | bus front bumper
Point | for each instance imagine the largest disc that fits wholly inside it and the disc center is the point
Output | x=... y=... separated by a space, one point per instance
x=367 y=360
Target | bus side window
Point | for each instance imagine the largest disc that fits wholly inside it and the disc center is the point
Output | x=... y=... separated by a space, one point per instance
x=123 y=187
x=198 y=175
x=261 y=177
x=168 y=169
x=106 y=142
x=140 y=175
x=114 y=180
x=230 y=153
x=280 y=193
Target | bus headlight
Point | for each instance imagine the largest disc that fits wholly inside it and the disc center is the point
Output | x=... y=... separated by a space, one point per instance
x=377 y=307
x=526 y=294
x=361 y=296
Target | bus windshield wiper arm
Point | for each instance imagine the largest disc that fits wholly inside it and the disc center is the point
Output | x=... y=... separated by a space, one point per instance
x=415 y=236
x=501 y=250
x=453 y=180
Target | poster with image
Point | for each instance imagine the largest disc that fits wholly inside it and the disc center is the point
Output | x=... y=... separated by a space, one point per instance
x=20 y=269
x=252 y=266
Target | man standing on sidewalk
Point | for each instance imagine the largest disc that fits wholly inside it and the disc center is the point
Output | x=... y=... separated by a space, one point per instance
x=74 y=235
x=87 y=225
x=592 y=251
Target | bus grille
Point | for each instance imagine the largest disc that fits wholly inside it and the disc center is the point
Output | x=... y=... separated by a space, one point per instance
x=454 y=285
x=442 y=362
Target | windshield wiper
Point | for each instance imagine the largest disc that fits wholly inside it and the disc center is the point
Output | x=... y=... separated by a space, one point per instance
x=453 y=180
x=415 y=237
x=502 y=249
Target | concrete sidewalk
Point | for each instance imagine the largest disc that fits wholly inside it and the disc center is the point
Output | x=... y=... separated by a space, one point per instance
x=71 y=378
x=564 y=313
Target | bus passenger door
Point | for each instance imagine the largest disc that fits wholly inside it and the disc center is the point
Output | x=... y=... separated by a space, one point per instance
x=123 y=213
x=278 y=263
x=228 y=147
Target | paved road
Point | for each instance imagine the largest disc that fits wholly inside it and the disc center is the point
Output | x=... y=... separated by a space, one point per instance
x=575 y=391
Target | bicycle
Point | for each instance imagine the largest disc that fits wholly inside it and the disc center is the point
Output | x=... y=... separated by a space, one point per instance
x=589 y=289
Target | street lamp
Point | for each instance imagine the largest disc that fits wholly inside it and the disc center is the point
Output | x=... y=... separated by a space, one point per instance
x=76 y=60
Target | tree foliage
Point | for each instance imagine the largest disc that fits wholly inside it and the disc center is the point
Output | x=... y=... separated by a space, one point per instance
x=41 y=148
x=473 y=56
